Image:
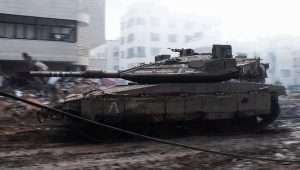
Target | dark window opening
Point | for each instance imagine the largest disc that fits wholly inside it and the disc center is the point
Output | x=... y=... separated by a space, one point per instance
x=2 y=30
x=130 y=52
x=36 y=28
x=141 y=52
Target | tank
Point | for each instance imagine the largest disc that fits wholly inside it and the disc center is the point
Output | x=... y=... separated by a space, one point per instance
x=192 y=89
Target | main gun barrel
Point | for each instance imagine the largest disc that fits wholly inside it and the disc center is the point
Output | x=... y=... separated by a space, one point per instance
x=83 y=74
x=147 y=78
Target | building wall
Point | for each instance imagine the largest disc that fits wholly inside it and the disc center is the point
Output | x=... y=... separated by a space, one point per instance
x=63 y=9
x=90 y=33
x=93 y=35
x=11 y=49
x=105 y=57
x=141 y=24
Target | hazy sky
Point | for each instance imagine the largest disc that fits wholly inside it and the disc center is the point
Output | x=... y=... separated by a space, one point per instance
x=241 y=19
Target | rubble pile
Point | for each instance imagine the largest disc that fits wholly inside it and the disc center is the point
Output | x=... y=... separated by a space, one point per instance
x=19 y=121
x=18 y=112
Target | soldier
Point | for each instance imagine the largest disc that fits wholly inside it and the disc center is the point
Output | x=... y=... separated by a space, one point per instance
x=34 y=65
x=46 y=86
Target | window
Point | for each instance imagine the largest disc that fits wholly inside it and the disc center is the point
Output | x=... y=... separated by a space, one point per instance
x=68 y=33
x=141 y=52
x=189 y=25
x=130 y=22
x=198 y=35
x=172 y=24
x=154 y=37
x=285 y=73
x=30 y=32
x=115 y=52
x=60 y=33
x=187 y=38
x=2 y=30
x=155 y=51
x=116 y=67
x=36 y=28
x=172 y=38
x=140 y=21
x=122 y=40
x=130 y=52
x=10 y=31
x=130 y=38
x=56 y=34
x=154 y=21
x=44 y=32
x=20 y=31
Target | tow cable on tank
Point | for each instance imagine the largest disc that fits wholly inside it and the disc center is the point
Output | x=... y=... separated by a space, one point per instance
x=158 y=140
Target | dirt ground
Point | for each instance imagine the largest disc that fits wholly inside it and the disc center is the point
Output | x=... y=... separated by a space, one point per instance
x=50 y=146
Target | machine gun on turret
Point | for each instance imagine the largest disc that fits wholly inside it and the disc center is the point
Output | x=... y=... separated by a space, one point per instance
x=190 y=88
x=187 y=68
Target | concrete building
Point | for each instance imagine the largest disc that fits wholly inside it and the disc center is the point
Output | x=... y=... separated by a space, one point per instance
x=57 y=32
x=105 y=57
x=148 y=31
x=94 y=34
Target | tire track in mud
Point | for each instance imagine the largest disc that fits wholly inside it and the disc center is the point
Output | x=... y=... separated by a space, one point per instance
x=84 y=157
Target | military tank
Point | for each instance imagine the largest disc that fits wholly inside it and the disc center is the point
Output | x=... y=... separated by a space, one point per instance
x=191 y=89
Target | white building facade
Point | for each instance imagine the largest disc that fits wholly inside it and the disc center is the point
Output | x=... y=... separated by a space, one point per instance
x=146 y=32
x=105 y=57
x=51 y=31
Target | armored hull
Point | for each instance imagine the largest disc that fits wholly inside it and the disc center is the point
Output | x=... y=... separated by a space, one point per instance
x=139 y=105
x=191 y=88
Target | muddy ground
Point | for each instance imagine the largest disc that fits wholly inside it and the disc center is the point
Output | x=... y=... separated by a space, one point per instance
x=31 y=146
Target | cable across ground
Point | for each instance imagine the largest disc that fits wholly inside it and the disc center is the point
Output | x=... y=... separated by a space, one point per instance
x=158 y=140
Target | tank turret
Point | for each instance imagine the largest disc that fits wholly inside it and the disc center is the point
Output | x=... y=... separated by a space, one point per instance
x=187 y=68
x=192 y=88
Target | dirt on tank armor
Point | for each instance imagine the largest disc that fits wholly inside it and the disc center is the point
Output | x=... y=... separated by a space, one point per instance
x=191 y=89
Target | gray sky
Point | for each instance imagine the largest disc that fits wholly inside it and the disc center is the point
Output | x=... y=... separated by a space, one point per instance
x=241 y=19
